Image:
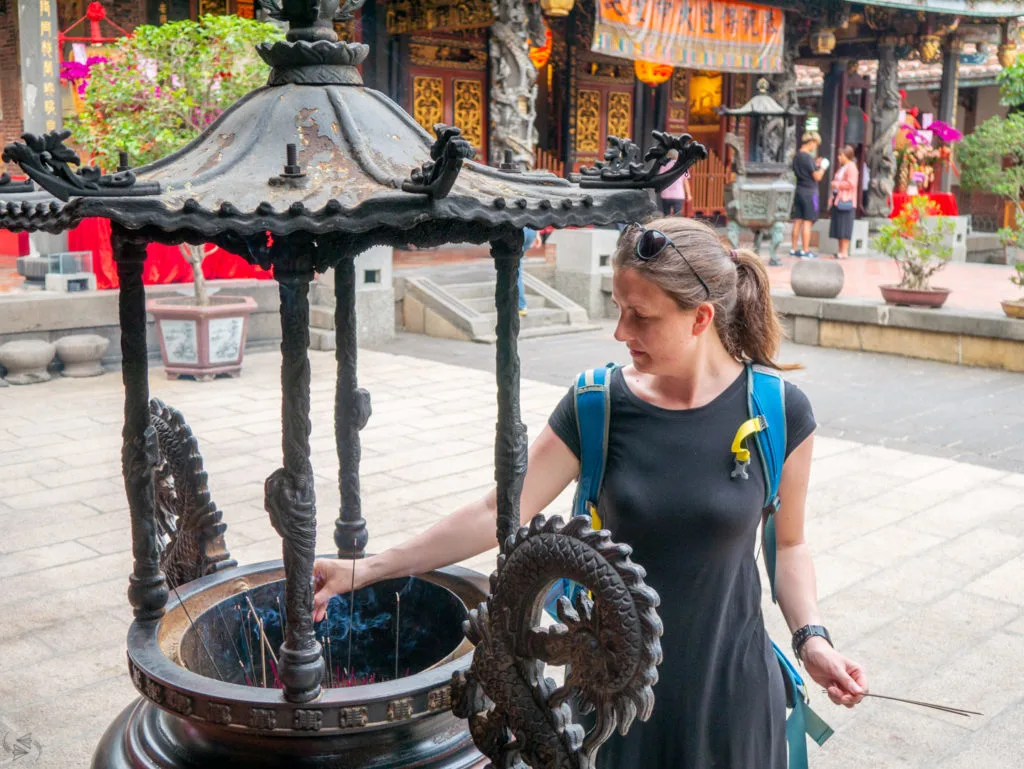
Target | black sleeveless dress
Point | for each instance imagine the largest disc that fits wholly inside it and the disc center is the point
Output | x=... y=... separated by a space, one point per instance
x=719 y=701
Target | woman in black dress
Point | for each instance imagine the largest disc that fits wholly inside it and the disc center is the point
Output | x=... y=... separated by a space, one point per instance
x=690 y=313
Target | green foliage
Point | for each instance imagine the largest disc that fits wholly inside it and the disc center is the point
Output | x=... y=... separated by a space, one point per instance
x=164 y=85
x=1011 y=84
x=916 y=240
x=1017 y=276
x=992 y=157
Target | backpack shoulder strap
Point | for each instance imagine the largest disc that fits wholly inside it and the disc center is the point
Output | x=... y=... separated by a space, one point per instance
x=766 y=400
x=593 y=416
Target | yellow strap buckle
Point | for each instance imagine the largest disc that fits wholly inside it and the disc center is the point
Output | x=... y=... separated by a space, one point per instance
x=739 y=450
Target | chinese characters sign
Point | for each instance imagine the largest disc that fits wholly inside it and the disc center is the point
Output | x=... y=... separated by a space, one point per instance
x=697 y=34
x=40 y=72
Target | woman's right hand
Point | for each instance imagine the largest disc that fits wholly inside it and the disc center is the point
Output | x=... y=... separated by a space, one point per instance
x=333 y=577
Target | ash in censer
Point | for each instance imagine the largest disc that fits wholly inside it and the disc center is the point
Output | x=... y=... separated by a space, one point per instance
x=404 y=625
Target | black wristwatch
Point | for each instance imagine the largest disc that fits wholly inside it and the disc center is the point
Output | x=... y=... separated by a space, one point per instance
x=801 y=636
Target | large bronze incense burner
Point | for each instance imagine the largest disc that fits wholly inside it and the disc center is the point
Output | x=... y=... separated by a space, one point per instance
x=302 y=176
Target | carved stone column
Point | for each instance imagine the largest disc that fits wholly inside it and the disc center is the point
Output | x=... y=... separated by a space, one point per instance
x=351 y=412
x=147 y=588
x=948 y=93
x=884 y=124
x=510 y=446
x=513 y=108
x=782 y=129
x=289 y=496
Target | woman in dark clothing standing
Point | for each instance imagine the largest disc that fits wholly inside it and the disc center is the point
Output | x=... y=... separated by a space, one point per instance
x=691 y=314
x=808 y=170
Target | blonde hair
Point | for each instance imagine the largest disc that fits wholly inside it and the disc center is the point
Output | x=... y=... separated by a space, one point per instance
x=810 y=136
x=737 y=283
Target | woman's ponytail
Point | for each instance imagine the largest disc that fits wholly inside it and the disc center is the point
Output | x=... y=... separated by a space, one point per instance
x=755 y=331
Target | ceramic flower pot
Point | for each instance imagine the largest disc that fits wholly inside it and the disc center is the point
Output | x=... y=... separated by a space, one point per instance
x=202 y=341
x=910 y=297
x=1014 y=308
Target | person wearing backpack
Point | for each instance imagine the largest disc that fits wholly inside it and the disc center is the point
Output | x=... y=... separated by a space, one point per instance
x=676 y=480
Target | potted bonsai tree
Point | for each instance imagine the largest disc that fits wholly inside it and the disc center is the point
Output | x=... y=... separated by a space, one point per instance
x=159 y=89
x=917 y=240
x=1014 y=308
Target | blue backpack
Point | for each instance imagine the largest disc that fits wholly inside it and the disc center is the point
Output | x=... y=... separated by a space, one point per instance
x=766 y=408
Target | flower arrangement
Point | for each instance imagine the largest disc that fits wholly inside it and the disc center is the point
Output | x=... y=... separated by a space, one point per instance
x=916 y=155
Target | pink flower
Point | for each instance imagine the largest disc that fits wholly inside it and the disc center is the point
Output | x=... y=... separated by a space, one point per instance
x=945 y=132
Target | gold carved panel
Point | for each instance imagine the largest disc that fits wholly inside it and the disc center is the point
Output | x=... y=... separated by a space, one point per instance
x=406 y=16
x=428 y=101
x=677 y=114
x=588 y=121
x=448 y=54
x=469 y=110
x=680 y=84
x=620 y=114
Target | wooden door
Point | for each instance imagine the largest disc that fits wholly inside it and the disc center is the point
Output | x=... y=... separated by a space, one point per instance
x=453 y=98
x=602 y=110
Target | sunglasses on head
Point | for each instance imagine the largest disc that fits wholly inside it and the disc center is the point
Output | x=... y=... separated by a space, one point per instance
x=652 y=243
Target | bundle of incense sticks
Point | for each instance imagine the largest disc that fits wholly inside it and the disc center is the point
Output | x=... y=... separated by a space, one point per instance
x=921 y=704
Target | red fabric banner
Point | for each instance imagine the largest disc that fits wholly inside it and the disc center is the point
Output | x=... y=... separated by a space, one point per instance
x=164 y=264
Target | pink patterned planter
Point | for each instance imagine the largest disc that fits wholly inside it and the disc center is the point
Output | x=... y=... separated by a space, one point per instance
x=202 y=341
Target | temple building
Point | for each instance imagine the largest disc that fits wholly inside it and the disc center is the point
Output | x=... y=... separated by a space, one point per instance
x=545 y=83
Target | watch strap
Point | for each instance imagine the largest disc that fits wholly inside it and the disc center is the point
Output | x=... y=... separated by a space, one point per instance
x=802 y=635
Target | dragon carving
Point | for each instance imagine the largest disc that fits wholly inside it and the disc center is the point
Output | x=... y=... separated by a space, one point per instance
x=190 y=530
x=609 y=640
x=884 y=126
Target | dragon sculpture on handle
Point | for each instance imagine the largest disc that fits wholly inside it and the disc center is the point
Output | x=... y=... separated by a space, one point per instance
x=609 y=641
x=191 y=532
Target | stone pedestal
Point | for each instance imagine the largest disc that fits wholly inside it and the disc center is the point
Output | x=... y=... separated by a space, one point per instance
x=81 y=354
x=26 y=360
x=859 y=243
x=69 y=283
x=581 y=259
x=375 y=301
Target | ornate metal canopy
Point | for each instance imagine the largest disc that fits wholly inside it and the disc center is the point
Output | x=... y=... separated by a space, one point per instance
x=315 y=152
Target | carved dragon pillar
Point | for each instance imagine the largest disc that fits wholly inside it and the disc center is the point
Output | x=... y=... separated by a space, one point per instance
x=884 y=124
x=513 y=109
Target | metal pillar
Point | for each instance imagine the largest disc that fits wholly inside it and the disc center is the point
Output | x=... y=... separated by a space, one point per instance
x=289 y=495
x=884 y=124
x=510 y=444
x=351 y=412
x=948 y=93
x=147 y=590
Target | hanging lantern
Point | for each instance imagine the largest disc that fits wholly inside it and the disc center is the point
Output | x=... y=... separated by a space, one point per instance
x=652 y=73
x=557 y=8
x=540 y=55
x=1007 y=55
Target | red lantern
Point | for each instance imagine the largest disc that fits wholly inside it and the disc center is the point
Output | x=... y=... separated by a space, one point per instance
x=540 y=55
x=651 y=73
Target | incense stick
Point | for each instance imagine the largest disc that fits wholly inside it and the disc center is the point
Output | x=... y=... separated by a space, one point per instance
x=398 y=628
x=198 y=634
x=919 y=703
x=351 y=609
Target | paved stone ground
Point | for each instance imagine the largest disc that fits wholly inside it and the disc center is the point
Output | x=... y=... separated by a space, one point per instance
x=918 y=557
x=957 y=412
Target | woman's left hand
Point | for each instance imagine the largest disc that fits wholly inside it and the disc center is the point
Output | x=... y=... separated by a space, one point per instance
x=843 y=679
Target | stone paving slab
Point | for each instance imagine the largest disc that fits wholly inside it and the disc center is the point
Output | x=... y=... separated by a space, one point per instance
x=919 y=557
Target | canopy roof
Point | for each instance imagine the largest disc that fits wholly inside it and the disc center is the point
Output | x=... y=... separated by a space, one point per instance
x=360 y=167
x=1001 y=9
x=762 y=104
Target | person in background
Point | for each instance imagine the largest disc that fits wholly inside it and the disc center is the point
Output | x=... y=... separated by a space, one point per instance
x=844 y=201
x=676 y=194
x=808 y=170
x=531 y=239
